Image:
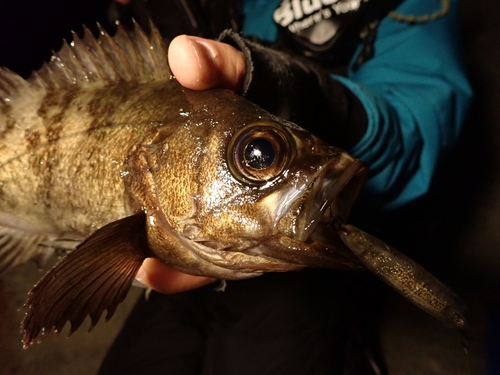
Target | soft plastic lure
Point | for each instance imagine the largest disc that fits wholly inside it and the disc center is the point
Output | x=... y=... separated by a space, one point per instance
x=406 y=276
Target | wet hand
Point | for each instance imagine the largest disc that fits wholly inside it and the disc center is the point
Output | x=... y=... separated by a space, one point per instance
x=201 y=64
x=164 y=279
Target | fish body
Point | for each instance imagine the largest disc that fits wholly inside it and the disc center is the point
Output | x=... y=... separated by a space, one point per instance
x=62 y=169
x=103 y=150
x=89 y=156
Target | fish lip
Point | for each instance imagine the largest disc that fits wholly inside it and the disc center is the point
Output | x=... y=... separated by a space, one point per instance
x=331 y=195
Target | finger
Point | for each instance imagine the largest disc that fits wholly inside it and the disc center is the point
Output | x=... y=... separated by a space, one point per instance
x=201 y=64
x=164 y=279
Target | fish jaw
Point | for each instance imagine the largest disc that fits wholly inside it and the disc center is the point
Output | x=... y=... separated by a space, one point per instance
x=331 y=195
x=306 y=235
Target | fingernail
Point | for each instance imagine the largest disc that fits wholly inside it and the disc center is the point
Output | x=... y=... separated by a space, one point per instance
x=140 y=274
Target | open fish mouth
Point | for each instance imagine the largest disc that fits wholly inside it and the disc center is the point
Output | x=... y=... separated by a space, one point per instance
x=330 y=196
x=312 y=238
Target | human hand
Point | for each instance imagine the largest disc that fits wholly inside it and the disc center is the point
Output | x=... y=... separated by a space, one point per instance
x=201 y=64
x=157 y=275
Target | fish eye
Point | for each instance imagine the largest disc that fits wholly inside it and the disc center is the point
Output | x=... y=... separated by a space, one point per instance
x=259 y=152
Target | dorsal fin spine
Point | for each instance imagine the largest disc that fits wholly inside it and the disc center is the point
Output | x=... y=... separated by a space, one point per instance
x=48 y=76
x=89 y=64
x=37 y=81
x=106 y=64
x=10 y=84
x=70 y=64
x=158 y=53
x=59 y=72
x=91 y=61
x=131 y=58
x=114 y=52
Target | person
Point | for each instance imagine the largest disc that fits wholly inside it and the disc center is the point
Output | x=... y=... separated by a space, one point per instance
x=398 y=105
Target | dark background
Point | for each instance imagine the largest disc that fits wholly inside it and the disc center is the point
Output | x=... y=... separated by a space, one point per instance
x=454 y=231
x=31 y=29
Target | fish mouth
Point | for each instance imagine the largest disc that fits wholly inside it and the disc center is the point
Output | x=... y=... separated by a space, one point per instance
x=330 y=197
x=312 y=238
x=313 y=242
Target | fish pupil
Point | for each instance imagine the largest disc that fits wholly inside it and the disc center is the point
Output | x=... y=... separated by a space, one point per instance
x=259 y=154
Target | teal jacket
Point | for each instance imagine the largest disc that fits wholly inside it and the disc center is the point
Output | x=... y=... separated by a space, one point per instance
x=414 y=90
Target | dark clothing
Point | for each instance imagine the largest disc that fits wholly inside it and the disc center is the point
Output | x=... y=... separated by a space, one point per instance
x=293 y=323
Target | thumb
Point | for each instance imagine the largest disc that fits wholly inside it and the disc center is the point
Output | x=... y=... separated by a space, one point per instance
x=164 y=279
x=201 y=64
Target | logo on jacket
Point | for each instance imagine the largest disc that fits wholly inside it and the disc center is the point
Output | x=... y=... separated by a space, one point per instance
x=313 y=20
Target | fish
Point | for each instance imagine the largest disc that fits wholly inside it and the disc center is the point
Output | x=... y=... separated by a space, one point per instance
x=104 y=156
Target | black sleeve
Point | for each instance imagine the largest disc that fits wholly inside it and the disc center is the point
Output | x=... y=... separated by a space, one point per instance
x=300 y=91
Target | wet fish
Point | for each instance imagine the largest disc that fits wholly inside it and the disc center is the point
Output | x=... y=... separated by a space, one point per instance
x=103 y=151
x=103 y=147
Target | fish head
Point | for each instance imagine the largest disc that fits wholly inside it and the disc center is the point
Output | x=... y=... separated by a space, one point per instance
x=234 y=191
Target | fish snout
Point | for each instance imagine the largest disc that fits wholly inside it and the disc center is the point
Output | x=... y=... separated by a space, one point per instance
x=331 y=194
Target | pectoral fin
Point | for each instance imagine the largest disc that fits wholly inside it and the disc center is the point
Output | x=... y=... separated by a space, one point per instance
x=97 y=275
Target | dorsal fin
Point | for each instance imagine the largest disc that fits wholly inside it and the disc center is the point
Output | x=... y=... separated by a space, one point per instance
x=87 y=61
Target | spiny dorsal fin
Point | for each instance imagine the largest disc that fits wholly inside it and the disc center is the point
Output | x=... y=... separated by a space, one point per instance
x=10 y=85
x=90 y=61
x=94 y=277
